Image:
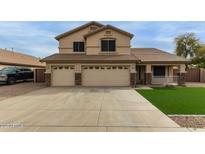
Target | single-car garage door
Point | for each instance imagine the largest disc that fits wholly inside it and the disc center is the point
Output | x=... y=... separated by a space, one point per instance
x=105 y=76
x=63 y=76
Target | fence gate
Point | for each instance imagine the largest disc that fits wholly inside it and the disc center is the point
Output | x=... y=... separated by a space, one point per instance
x=39 y=75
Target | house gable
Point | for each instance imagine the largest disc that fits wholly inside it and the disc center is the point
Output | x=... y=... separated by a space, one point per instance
x=109 y=27
x=92 y=34
x=122 y=41
x=89 y=24
x=76 y=35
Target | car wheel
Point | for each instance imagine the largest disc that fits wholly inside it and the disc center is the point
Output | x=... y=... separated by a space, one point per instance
x=11 y=81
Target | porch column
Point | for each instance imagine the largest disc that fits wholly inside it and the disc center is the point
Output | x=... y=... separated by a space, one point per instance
x=182 y=72
x=170 y=69
x=78 y=75
x=133 y=75
x=48 y=75
x=148 y=74
x=171 y=76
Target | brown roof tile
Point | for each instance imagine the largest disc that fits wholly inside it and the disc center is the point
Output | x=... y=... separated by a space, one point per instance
x=19 y=59
x=73 y=58
x=153 y=55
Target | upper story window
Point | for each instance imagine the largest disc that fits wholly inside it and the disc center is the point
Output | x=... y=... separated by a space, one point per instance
x=78 y=46
x=108 y=45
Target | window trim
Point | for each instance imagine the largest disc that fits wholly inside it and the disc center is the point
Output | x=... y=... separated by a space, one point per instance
x=109 y=51
x=80 y=51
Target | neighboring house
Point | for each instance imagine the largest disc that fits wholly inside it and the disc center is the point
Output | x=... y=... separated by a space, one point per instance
x=101 y=55
x=11 y=58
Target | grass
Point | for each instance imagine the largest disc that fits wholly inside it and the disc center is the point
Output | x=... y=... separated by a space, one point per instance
x=178 y=100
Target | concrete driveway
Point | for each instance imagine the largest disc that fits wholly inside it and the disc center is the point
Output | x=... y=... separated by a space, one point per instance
x=83 y=109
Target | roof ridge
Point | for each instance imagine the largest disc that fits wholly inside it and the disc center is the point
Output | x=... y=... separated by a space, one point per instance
x=146 y=48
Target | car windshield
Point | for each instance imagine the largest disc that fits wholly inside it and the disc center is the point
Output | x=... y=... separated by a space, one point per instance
x=8 y=69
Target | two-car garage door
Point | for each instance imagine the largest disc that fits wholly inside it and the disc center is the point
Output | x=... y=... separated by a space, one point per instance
x=101 y=75
x=105 y=76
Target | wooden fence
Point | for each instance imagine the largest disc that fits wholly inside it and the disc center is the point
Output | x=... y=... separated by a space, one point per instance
x=193 y=74
x=202 y=75
x=39 y=75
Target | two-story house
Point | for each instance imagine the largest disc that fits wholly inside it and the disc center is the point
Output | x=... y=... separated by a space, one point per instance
x=101 y=55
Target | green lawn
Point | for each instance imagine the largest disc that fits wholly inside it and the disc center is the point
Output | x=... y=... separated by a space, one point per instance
x=179 y=100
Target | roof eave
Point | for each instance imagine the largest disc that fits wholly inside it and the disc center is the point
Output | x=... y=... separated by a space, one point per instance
x=165 y=62
x=19 y=64
x=91 y=61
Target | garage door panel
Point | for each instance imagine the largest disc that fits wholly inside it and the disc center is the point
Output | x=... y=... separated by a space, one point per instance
x=106 y=77
x=63 y=76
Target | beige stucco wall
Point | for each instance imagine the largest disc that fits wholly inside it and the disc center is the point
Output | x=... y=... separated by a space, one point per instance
x=94 y=42
x=66 y=43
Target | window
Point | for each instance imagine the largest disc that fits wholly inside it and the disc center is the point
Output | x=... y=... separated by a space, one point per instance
x=78 y=46
x=159 y=70
x=108 y=45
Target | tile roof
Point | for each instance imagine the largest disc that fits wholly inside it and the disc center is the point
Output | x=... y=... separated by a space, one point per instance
x=82 y=58
x=14 y=58
x=153 y=55
x=142 y=55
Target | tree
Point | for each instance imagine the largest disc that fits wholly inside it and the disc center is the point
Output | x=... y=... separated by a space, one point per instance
x=187 y=45
x=200 y=52
x=199 y=59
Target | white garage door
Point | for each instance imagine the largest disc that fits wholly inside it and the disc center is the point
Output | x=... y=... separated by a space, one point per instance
x=63 y=76
x=105 y=76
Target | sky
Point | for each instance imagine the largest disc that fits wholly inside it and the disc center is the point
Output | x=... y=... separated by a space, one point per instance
x=37 y=38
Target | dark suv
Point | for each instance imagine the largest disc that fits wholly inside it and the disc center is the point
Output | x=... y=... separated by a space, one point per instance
x=11 y=75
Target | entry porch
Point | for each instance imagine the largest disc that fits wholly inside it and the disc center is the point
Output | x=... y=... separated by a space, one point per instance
x=160 y=74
